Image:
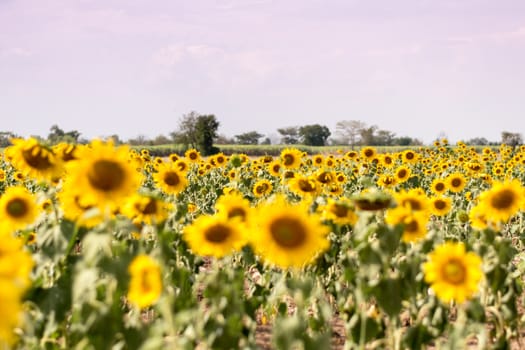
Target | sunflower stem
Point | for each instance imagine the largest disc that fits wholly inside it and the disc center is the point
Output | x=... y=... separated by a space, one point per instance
x=72 y=241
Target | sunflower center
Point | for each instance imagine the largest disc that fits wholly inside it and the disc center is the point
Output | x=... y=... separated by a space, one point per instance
x=369 y=153
x=37 y=158
x=150 y=208
x=411 y=225
x=106 y=175
x=288 y=232
x=503 y=199
x=306 y=185
x=16 y=207
x=413 y=203
x=440 y=204
x=456 y=182
x=409 y=155
x=217 y=233
x=339 y=210
x=440 y=186
x=288 y=159
x=454 y=272
x=237 y=212
x=402 y=173
x=171 y=178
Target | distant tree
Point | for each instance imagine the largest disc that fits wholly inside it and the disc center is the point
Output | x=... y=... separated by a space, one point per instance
x=116 y=139
x=224 y=140
x=367 y=135
x=477 y=141
x=186 y=133
x=248 y=138
x=266 y=141
x=349 y=131
x=384 y=138
x=57 y=135
x=161 y=140
x=206 y=128
x=289 y=135
x=314 y=135
x=511 y=138
x=406 y=141
x=5 y=138
x=140 y=140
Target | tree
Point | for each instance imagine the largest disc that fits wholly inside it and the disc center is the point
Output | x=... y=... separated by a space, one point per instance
x=206 y=127
x=511 y=138
x=289 y=135
x=186 y=133
x=349 y=131
x=367 y=134
x=5 y=138
x=384 y=138
x=314 y=135
x=248 y=138
x=477 y=141
x=57 y=135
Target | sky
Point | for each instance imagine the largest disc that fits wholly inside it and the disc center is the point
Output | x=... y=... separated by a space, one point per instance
x=419 y=68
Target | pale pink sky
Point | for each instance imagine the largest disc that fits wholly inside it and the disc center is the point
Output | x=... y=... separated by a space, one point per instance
x=415 y=67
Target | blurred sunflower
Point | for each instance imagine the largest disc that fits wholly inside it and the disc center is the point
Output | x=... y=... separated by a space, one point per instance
x=34 y=159
x=146 y=209
x=291 y=158
x=73 y=208
x=214 y=235
x=340 y=212
x=304 y=185
x=169 y=179
x=192 y=155
x=233 y=205
x=103 y=176
x=503 y=200
x=441 y=205
x=368 y=153
x=18 y=209
x=402 y=173
x=414 y=223
x=262 y=187
x=274 y=168
x=456 y=182
x=145 y=286
x=287 y=235
x=453 y=273
x=438 y=186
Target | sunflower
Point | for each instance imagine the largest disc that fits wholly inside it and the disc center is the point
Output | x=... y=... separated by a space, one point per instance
x=275 y=168
x=219 y=160
x=387 y=160
x=192 y=155
x=503 y=200
x=304 y=185
x=386 y=181
x=351 y=155
x=368 y=153
x=318 y=160
x=409 y=156
x=182 y=165
x=73 y=208
x=103 y=175
x=414 y=223
x=440 y=206
x=146 y=209
x=18 y=209
x=453 y=273
x=287 y=235
x=415 y=200
x=340 y=177
x=145 y=286
x=456 y=182
x=324 y=177
x=291 y=158
x=214 y=235
x=15 y=269
x=2 y=175
x=66 y=151
x=402 y=173
x=34 y=159
x=340 y=212
x=169 y=179
x=232 y=206
x=262 y=187
x=438 y=186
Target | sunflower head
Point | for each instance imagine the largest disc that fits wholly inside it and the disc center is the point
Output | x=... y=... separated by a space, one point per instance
x=18 y=208
x=170 y=179
x=34 y=159
x=453 y=273
x=291 y=158
x=145 y=286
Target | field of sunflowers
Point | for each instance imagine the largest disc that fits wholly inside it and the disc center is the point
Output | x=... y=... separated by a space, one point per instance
x=103 y=247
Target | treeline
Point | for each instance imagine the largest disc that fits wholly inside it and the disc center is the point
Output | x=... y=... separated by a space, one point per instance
x=199 y=131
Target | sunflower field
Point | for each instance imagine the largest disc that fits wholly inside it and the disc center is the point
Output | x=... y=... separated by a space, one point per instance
x=104 y=247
